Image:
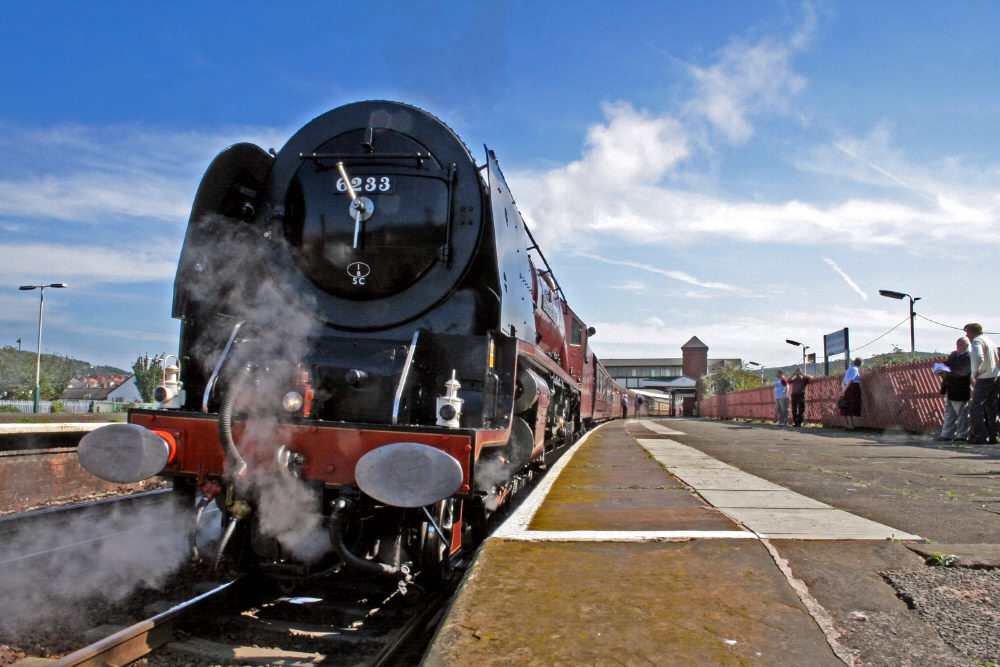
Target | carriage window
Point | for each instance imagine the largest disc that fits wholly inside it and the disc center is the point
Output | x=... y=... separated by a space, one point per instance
x=576 y=333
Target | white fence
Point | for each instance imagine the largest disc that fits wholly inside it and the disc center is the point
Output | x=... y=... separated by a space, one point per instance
x=75 y=406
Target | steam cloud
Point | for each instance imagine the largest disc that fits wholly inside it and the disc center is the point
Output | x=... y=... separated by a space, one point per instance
x=117 y=553
x=278 y=329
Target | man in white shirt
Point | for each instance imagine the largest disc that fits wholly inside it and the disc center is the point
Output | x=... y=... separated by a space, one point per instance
x=983 y=404
x=781 y=398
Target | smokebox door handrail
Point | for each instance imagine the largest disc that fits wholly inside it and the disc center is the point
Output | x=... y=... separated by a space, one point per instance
x=218 y=366
x=403 y=376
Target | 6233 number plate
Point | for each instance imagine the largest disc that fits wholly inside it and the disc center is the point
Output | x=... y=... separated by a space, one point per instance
x=365 y=184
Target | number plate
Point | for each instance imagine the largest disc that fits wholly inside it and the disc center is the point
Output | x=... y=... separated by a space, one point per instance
x=378 y=185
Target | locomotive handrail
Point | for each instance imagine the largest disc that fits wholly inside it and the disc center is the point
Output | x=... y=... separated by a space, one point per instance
x=371 y=157
x=403 y=376
x=218 y=367
x=444 y=254
x=541 y=255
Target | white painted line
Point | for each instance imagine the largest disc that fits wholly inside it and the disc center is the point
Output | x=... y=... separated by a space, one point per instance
x=625 y=535
x=55 y=427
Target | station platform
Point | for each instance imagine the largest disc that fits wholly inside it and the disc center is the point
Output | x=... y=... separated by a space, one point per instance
x=638 y=549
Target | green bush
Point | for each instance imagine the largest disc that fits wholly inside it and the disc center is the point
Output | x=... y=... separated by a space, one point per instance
x=8 y=408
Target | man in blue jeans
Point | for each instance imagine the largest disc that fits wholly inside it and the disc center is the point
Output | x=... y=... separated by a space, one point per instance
x=781 y=398
x=985 y=390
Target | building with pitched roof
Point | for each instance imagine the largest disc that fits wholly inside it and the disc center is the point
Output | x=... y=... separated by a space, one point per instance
x=675 y=377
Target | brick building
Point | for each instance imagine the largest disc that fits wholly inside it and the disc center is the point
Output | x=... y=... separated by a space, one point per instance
x=677 y=377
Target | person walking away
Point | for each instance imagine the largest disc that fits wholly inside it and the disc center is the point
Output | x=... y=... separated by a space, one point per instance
x=798 y=383
x=781 y=398
x=850 y=402
x=638 y=406
x=624 y=407
x=956 y=385
x=983 y=402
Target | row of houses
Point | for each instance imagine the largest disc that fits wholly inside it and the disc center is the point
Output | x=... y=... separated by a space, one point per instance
x=115 y=389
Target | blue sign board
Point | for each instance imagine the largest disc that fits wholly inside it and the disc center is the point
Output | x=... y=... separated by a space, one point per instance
x=836 y=342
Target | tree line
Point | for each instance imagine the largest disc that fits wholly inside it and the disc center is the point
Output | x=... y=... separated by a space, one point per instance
x=728 y=378
x=17 y=374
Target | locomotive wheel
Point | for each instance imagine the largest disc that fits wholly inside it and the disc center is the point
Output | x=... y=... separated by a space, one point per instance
x=519 y=446
x=435 y=562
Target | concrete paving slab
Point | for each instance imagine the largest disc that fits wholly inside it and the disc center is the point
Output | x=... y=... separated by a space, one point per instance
x=876 y=626
x=673 y=458
x=783 y=499
x=612 y=484
x=812 y=524
x=966 y=555
x=659 y=428
x=701 y=602
x=762 y=506
x=722 y=480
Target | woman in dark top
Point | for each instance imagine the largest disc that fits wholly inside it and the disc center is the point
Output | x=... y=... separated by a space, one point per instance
x=851 y=400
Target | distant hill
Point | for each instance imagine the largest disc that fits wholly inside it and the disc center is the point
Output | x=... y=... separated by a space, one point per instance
x=17 y=372
x=14 y=357
x=839 y=365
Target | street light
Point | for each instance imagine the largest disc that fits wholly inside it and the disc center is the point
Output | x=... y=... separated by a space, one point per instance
x=900 y=295
x=38 y=354
x=754 y=363
x=804 y=348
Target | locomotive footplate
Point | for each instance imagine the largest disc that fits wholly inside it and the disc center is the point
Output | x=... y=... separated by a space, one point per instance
x=328 y=452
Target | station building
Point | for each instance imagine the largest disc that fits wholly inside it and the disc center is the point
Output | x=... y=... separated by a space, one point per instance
x=674 y=380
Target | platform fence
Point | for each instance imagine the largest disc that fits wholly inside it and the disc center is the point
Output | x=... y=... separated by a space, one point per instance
x=902 y=396
x=77 y=406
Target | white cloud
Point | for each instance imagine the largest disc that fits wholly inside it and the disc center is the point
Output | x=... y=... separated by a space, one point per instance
x=761 y=338
x=853 y=285
x=748 y=79
x=90 y=174
x=680 y=276
x=94 y=197
x=628 y=184
x=34 y=262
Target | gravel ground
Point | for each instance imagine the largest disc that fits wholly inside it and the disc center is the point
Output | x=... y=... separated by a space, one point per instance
x=123 y=490
x=962 y=604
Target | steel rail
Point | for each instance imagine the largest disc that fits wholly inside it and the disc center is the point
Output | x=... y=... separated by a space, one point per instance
x=131 y=643
x=389 y=653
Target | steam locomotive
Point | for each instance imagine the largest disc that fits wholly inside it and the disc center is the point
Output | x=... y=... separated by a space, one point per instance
x=374 y=353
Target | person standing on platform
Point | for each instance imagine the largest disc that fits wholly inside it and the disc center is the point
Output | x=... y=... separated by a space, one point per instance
x=781 y=398
x=983 y=402
x=638 y=406
x=624 y=407
x=850 y=401
x=798 y=383
x=956 y=385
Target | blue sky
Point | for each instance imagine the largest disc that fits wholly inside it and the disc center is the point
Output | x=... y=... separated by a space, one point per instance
x=744 y=172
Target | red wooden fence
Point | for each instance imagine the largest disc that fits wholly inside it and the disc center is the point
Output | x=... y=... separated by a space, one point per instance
x=902 y=396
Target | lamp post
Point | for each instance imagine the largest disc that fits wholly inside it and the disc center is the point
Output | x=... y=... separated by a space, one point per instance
x=38 y=354
x=804 y=348
x=754 y=363
x=900 y=295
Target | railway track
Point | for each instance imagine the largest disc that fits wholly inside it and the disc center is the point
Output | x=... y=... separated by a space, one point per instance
x=359 y=620
x=367 y=622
